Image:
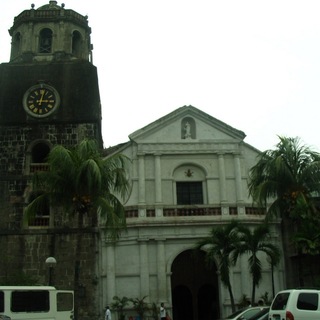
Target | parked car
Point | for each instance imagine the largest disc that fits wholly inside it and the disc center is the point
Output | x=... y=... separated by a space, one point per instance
x=246 y=313
x=296 y=304
x=262 y=315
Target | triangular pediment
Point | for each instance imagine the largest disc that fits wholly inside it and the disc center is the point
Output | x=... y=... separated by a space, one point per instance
x=187 y=124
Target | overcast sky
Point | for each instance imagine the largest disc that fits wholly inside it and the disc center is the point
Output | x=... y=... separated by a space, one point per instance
x=254 y=65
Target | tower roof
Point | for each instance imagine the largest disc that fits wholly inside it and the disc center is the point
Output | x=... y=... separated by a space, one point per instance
x=49 y=12
x=51 y=6
x=50 y=33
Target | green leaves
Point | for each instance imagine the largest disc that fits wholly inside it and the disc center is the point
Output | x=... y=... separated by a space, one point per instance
x=219 y=245
x=286 y=176
x=227 y=243
x=81 y=181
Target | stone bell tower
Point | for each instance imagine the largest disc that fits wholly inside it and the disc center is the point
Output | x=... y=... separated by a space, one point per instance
x=51 y=49
x=49 y=95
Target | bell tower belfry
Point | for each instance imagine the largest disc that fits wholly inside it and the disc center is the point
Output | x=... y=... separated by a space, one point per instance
x=51 y=53
x=50 y=33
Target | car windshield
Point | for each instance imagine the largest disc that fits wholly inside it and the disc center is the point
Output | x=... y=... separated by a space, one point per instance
x=259 y=315
x=246 y=313
x=235 y=314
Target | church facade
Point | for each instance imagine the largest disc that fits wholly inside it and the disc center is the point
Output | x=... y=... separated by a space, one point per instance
x=188 y=174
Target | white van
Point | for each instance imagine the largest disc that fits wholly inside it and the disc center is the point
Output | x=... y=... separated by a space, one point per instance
x=296 y=304
x=36 y=303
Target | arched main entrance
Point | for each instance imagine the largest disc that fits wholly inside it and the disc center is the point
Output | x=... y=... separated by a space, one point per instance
x=195 y=294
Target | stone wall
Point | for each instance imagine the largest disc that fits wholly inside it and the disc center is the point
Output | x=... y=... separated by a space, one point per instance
x=24 y=249
x=25 y=253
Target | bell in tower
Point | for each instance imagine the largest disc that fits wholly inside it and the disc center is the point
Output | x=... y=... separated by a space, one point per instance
x=50 y=33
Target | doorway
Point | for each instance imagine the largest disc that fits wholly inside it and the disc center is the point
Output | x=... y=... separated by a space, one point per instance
x=194 y=285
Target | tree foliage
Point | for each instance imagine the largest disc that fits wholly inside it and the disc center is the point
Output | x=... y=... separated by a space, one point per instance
x=226 y=244
x=219 y=245
x=253 y=242
x=119 y=304
x=288 y=178
x=288 y=175
x=81 y=181
x=140 y=306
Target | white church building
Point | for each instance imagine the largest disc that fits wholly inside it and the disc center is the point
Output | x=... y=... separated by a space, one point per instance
x=189 y=173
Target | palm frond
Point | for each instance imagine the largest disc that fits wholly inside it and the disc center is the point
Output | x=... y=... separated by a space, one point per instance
x=80 y=181
x=35 y=207
x=281 y=174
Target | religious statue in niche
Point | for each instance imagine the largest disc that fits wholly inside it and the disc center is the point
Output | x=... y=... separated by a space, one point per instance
x=187 y=130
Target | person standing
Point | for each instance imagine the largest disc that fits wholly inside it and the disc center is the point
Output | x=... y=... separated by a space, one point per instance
x=108 y=314
x=163 y=313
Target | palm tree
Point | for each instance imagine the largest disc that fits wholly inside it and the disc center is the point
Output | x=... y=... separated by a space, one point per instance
x=219 y=245
x=140 y=306
x=119 y=305
x=81 y=182
x=252 y=242
x=289 y=177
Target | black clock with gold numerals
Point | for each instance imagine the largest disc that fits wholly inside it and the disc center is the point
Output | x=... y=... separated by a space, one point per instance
x=41 y=100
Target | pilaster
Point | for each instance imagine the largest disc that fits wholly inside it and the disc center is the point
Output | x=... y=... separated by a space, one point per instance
x=141 y=180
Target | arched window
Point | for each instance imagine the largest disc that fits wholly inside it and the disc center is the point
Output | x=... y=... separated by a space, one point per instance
x=190 y=185
x=44 y=208
x=76 y=44
x=45 y=41
x=40 y=152
x=36 y=160
x=37 y=153
x=42 y=216
x=15 y=47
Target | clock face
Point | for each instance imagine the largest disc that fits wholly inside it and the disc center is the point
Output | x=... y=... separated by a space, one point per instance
x=41 y=100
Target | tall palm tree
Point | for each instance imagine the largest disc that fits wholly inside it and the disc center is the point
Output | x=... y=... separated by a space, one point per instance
x=289 y=177
x=253 y=242
x=219 y=245
x=81 y=182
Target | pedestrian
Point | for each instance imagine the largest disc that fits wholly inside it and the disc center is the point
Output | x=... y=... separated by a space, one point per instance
x=163 y=313
x=108 y=314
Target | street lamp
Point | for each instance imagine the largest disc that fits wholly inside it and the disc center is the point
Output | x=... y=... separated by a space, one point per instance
x=51 y=262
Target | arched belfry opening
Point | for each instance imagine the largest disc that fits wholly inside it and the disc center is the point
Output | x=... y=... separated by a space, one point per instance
x=15 y=46
x=45 y=40
x=194 y=285
x=76 y=44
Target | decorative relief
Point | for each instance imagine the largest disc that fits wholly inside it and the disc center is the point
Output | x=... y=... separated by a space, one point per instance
x=188 y=173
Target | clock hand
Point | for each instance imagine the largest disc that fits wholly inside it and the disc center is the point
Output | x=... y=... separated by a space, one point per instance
x=40 y=101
